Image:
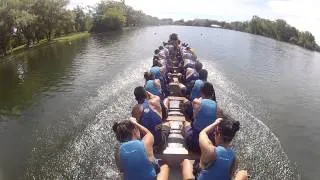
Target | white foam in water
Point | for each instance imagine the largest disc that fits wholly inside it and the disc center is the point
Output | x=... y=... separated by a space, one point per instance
x=90 y=154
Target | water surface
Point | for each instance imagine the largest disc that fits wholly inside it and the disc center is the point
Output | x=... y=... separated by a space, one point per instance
x=58 y=103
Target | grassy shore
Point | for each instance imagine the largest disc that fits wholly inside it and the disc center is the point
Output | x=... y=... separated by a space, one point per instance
x=66 y=38
x=72 y=37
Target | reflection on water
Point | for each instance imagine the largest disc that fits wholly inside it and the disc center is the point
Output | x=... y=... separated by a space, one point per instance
x=26 y=75
x=57 y=103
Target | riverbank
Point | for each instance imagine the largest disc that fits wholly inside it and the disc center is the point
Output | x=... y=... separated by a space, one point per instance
x=44 y=42
x=278 y=29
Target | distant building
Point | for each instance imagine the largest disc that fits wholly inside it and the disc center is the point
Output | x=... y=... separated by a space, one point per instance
x=215 y=26
x=166 y=21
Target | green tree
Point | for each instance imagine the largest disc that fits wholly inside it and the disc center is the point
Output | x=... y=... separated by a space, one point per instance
x=25 y=21
x=307 y=40
x=80 y=19
x=110 y=15
x=49 y=13
x=66 y=23
x=7 y=20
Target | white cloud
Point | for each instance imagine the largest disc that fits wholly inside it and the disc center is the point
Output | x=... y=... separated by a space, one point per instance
x=303 y=14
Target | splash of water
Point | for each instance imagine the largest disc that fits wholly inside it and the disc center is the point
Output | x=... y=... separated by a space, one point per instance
x=259 y=150
x=90 y=154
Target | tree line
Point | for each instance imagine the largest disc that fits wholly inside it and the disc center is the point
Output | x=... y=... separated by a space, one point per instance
x=26 y=22
x=114 y=15
x=279 y=30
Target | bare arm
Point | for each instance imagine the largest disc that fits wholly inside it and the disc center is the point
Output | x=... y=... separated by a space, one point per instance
x=219 y=112
x=152 y=96
x=234 y=167
x=157 y=83
x=156 y=105
x=196 y=106
x=189 y=72
x=148 y=139
x=206 y=146
x=136 y=112
x=162 y=70
x=242 y=175
x=117 y=158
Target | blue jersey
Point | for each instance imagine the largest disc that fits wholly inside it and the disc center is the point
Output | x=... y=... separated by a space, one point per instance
x=195 y=92
x=221 y=167
x=151 y=87
x=207 y=114
x=150 y=120
x=134 y=161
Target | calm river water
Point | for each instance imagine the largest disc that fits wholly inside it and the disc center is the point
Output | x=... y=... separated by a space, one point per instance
x=57 y=103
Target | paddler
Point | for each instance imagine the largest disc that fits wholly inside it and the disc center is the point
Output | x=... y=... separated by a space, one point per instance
x=204 y=113
x=162 y=53
x=134 y=157
x=158 y=71
x=193 y=55
x=152 y=85
x=191 y=75
x=188 y=63
x=149 y=113
x=198 y=84
x=217 y=160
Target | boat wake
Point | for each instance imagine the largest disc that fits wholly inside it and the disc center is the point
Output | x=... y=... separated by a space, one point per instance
x=258 y=148
x=90 y=154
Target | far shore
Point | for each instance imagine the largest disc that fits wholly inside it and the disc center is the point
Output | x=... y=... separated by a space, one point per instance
x=44 y=42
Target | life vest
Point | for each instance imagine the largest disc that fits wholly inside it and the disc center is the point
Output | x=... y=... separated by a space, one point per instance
x=134 y=161
x=195 y=92
x=151 y=87
x=150 y=120
x=220 y=169
x=207 y=114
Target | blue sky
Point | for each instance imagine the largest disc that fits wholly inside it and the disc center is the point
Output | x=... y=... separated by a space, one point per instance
x=303 y=14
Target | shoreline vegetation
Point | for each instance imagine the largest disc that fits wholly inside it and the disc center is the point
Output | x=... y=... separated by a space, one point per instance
x=26 y=24
x=279 y=30
x=44 y=42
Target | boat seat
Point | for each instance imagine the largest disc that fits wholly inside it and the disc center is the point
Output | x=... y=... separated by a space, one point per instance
x=176 y=118
x=176 y=70
x=177 y=141
x=174 y=89
x=174 y=110
x=176 y=98
x=175 y=131
x=175 y=75
x=175 y=80
x=174 y=104
x=176 y=125
x=175 y=63
x=175 y=136
x=175 y=113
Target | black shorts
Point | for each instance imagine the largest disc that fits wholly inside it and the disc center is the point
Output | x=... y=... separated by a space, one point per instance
x=192 y=139
x=164 y=133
